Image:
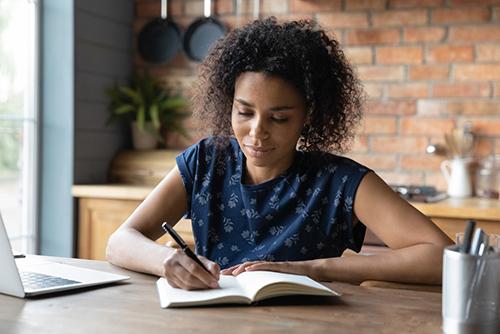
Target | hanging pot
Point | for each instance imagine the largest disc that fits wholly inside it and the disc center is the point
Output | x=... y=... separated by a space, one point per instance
x=160 y=39
x=202 y=33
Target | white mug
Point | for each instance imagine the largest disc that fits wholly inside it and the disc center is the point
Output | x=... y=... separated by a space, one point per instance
x=456 y=173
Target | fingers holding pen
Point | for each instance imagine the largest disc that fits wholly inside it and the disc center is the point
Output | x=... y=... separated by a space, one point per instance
x=179 y=276
x=185 y=269
x=212 y=267
x=182 y=272
x=210 y=278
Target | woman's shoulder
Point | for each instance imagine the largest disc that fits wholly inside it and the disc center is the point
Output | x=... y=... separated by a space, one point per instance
x=324 y=160
x=214 y=145
x=212 y=150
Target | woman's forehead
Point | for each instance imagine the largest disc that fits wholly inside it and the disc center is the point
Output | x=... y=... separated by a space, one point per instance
x=252 y=85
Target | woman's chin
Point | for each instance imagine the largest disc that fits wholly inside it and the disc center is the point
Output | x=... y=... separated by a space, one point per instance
x=258 y=162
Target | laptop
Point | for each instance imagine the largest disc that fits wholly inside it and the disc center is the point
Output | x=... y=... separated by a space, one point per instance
x=26 y=277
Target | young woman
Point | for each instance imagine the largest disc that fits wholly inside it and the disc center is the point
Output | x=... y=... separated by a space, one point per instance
x=264 y=192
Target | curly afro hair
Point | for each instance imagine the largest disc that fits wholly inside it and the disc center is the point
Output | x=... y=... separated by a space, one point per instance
x=299 y=52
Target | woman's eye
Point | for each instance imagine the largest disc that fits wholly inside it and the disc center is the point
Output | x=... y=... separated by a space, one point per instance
x=244 y=113
x=280 y=120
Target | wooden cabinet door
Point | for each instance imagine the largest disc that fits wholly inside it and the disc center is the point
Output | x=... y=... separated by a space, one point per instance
x=99 y=218
x=452 y=226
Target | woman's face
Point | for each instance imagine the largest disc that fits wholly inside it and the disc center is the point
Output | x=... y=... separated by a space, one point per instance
x=267 y=119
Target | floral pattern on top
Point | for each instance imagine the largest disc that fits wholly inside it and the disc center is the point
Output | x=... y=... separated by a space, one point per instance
x=305 y=213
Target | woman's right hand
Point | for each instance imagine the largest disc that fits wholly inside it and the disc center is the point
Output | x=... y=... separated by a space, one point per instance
x=184 y=273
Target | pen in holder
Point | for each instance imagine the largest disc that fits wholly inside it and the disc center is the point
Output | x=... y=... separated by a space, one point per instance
x=471 y=291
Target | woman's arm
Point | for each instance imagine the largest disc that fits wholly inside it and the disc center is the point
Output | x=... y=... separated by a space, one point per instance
x=132 y=246
x=416 y=243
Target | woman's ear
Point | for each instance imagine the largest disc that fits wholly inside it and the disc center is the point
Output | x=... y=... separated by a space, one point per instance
x=304 y=135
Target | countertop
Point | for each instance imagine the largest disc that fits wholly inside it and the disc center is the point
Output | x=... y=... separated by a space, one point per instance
x=111 y=191
x=479 y=208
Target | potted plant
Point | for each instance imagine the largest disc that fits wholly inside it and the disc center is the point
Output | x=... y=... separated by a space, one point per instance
x=150 y=109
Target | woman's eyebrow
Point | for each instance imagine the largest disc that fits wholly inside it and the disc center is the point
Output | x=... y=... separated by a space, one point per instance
x=243 y=102
x=250 y=105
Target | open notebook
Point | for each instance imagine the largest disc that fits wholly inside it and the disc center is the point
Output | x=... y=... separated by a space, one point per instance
x=247 y=287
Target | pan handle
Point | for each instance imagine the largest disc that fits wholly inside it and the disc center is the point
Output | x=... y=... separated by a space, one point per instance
x=164 y=8
x=238 y=14
x=207 y=8
x=256 y=9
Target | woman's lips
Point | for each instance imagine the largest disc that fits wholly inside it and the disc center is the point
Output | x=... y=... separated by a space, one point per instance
x=256 y=151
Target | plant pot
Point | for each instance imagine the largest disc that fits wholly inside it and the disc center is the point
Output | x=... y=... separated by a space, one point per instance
x=143 y=140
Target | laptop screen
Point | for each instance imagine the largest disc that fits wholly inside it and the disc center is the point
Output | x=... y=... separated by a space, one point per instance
x=11 y=281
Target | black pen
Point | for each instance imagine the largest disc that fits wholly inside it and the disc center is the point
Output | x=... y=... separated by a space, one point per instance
x=469 y=231
x=182 y=244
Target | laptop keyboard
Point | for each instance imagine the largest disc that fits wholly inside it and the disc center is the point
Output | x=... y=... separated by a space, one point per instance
x=33 y=281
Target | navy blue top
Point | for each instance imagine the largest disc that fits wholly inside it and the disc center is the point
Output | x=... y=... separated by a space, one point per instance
x=305 y=213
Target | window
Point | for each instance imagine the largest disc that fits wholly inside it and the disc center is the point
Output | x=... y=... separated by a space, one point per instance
x=19 y=120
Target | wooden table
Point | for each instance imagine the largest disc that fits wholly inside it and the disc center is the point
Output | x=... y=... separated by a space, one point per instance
x=133 y=307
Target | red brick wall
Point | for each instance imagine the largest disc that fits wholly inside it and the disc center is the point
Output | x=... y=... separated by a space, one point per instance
x=426 y=65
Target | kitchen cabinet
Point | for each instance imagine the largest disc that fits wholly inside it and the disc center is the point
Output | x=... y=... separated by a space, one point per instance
x=452 y=214
x=102 y=208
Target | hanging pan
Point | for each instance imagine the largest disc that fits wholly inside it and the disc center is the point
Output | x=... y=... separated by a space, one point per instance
x=160 y=39
x=256 y=9
x=202 y=33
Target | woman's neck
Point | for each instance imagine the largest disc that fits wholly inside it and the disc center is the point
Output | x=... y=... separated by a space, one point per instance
x=258 y=174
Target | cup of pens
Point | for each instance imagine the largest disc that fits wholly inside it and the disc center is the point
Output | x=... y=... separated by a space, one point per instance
x=471 y=284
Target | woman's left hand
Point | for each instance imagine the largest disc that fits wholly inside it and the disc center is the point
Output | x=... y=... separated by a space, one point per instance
x=294 y=267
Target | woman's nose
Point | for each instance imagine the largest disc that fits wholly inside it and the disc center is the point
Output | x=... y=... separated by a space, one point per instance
x=259 y=129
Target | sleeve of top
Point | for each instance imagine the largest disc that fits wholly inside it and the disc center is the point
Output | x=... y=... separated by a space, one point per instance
x=187 y=162
x=354 y=235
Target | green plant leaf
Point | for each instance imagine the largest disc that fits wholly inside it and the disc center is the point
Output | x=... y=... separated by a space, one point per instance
x=173 y=103
x=145 y=100
x=141 y=118
x=123 y=109
x=134 y=95
x=154 y=113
